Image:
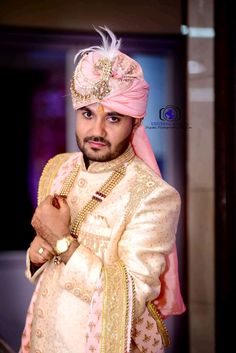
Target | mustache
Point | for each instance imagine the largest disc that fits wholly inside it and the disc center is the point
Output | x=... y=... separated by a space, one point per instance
x=97 y=139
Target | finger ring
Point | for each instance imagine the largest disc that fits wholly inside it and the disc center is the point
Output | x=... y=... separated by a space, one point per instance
x=40 y=251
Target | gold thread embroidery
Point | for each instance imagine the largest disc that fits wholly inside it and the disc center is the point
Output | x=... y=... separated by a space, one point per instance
x=97 y=89
x=149 y=325
x=48 y=174
x=144 y=185
x=114 y=326
x=160 y=324
x=97 y=243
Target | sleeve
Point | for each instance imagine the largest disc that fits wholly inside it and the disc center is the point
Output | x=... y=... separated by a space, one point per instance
x=33 y=277
x=81 y=273
x=47 y=176
x=148 y=237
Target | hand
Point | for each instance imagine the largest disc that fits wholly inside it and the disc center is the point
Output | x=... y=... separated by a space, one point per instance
x=37 y=257
x=52 y=222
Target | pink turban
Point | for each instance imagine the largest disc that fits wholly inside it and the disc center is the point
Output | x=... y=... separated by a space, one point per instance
x=118 y=84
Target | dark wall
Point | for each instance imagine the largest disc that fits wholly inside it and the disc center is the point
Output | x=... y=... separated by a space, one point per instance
x=16 y=92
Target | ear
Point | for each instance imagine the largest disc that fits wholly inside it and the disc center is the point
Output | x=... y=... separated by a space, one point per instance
x=137 y=122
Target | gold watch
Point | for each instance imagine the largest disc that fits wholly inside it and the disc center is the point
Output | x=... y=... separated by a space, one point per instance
x=63 y=244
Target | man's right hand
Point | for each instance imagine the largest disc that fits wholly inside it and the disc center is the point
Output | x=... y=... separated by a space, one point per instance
x=40 y=251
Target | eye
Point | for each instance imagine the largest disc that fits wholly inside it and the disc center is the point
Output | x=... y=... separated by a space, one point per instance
x=113 y=119
x=87 y=114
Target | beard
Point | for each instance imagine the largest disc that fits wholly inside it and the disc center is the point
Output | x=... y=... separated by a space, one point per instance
x=97 y=155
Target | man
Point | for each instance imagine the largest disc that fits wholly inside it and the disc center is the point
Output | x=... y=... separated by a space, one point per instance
x=105 y=223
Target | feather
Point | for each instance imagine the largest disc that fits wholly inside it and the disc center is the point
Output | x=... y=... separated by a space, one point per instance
x=110 y=44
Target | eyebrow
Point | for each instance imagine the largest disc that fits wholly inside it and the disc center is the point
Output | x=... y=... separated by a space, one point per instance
x=109 y=114
x=116 y=114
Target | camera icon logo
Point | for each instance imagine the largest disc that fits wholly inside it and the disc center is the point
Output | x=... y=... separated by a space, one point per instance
x=170 y=113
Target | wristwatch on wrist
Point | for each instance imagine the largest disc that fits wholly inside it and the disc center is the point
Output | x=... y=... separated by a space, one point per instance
x=63 y=244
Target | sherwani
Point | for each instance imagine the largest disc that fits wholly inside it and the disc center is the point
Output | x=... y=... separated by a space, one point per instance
x=134 y=225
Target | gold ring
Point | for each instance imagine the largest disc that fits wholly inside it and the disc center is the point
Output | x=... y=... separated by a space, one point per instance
x=40 y=251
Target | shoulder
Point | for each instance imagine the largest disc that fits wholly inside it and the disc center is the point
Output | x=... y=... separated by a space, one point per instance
x=151 y=185
x=58 y=160
x=52 y=168
x=152 y=198
x=55 y=163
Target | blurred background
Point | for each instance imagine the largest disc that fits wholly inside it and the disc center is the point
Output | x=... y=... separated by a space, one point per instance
x=187 y=51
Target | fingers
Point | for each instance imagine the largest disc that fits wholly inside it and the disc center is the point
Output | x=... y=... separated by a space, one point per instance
x=48 y=248
x=40 y=251
x=55 y=202
x=58 y=200
x=35 y=221
x=44 y=255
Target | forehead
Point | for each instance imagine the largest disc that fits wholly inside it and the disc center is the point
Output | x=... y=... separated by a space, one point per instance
x=99 y=108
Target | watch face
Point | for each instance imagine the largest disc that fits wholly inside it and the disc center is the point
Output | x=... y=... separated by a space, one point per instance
x=62 y=245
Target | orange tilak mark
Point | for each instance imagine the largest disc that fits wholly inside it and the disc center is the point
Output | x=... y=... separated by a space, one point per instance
x=100 y=108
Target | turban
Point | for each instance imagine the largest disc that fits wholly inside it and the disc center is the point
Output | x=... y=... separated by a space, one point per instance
x=107 y=76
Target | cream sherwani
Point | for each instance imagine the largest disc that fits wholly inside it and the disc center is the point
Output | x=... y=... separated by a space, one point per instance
x=136 y=224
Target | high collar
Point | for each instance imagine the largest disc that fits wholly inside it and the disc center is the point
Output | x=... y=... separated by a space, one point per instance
x=100 y=167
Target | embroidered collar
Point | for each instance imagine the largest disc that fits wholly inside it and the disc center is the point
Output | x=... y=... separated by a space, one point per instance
x=99 y=167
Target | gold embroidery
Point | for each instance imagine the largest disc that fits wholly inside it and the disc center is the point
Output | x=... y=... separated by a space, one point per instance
x=114 y=327
x=144 y=350
x=136 y=333
x=146 y=338
x=155 y=343
x=97 y=243
x=97 y=89
x=139 y=321
x=68 y=183
x=144 y=185
x=48 y=175
x=149 y=325
x=160 y=324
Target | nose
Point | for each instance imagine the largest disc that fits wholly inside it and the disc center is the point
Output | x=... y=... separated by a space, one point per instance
x=99 y=127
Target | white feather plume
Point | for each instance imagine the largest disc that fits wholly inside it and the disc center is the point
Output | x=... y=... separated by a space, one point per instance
x=110 y=44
